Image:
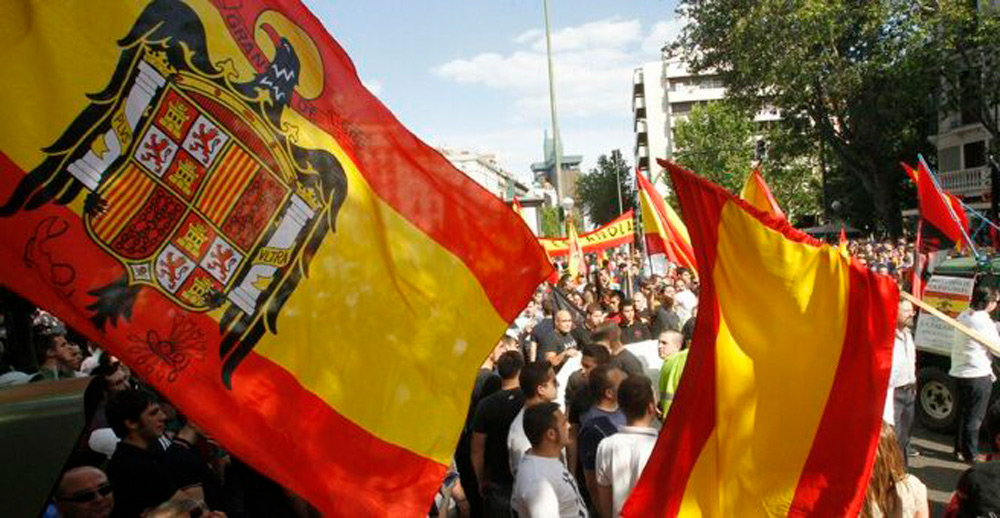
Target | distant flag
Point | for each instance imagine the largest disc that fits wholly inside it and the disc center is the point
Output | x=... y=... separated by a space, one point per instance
x=946 y=222
x=842 y=241
x=516 y=206
x=757 y=194
x=780 y=406
x=207 y=189
x=576 y=263
x=664 y=231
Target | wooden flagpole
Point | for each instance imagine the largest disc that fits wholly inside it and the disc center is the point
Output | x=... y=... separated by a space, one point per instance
x=971 y=333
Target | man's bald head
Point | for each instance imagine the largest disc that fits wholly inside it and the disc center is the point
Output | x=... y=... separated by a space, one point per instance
x=564 y=321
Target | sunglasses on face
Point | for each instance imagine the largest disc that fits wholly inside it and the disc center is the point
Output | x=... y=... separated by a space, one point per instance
x=83 y=497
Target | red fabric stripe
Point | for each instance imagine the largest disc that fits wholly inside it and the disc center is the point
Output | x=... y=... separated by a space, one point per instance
x=692 y=416
x=410 y=176
x=836 y=472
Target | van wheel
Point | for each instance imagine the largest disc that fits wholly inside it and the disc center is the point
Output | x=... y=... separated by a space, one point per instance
x=937 y=400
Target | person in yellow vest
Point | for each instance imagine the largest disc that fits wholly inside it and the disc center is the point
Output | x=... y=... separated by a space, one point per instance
x=674 y=354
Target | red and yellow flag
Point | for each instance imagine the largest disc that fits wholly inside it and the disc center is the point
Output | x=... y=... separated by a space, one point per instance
x=576 y=263
x=665 y=232
x=758 y=194
x=946 y=219
x=777 y=310
x=206 y=189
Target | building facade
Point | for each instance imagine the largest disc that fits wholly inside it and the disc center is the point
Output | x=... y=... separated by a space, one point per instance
x=663 y=94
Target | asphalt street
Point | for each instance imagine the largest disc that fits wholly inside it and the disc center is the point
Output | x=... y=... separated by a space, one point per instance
x=935 y=466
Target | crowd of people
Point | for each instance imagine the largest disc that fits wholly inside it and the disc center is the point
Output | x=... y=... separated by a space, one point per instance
x=529 y=448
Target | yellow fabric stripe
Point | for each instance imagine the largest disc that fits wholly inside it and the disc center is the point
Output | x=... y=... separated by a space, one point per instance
x=405 y=375
x=120 y=192
x=783 y=309
x=131 y=201
x=752 y=194
x=221 y=182
x=236 y=180
x=650 y=218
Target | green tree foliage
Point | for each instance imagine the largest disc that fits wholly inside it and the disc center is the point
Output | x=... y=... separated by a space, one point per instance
x=550 y=222
x=597 y=191
x=718 y=141
x=961 y=44
x=847 y=69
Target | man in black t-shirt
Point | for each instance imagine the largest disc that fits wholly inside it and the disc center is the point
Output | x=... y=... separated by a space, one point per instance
x=610 y=336
x=487 y=382
x=140 y=471
x=560 y=344
x=632 y=329
x=490 y=427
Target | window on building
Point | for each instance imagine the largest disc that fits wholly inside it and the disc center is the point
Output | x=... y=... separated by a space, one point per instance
x=975 y=154
x=949 y=159
x=684 y=107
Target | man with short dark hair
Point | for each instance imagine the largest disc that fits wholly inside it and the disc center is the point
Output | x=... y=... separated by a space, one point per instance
x=487 y=382
x=539 y=385
x=490 y=427
x=84 y=492
x=622 y=457
x=610 y=336
x=972 y=370
x=140 y=471
x=544 y=488
x=602 y=419
x=632 y=329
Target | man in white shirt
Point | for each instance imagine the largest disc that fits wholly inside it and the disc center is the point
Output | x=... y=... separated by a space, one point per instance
x=903 y=377
x=539 y=385
x=543 y=487
x=685 y=301
x=622 y=457
x=972 y=369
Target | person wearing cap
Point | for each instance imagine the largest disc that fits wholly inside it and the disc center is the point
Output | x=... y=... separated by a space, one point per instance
x=57 y=357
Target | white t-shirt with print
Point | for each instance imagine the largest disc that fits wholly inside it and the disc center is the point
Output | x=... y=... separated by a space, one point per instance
x=543 y=488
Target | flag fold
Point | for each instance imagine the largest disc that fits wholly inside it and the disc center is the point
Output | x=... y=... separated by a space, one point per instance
x=758 y=194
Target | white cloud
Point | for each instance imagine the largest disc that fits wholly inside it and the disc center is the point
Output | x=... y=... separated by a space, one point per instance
x=593 y=67
x=662 y=33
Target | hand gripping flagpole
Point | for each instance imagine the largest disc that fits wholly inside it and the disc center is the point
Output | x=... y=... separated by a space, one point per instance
x=951 y=210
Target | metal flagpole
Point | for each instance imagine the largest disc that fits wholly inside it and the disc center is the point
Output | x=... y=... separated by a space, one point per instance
x=556 y=145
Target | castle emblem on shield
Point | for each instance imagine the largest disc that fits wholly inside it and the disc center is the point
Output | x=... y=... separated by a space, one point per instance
x=192 y=182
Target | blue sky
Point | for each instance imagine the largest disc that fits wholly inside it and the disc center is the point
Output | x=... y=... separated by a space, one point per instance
x=471 y=74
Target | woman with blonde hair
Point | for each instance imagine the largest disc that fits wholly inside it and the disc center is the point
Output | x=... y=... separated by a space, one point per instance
x=892 y=492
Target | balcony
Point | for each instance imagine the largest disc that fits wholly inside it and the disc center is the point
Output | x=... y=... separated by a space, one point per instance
x=637 y=78
x=640 y=126
x=966 y=182
x=642 y=151
x=638 y=103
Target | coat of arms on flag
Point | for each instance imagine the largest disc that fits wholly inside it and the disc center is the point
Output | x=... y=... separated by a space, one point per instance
x=192 y=183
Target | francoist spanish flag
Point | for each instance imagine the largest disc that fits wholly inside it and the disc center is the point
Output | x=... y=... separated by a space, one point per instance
x=758 y=194
x=779 y=409
x=206 y=189
x=664 y=231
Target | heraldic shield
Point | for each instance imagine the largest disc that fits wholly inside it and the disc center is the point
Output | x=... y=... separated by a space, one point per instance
x=193 y=184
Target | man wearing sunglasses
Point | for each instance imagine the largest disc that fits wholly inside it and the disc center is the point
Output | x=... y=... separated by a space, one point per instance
x=84 y=492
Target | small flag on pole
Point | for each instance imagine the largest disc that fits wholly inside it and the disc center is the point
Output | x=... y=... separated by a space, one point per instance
x=664 y=231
